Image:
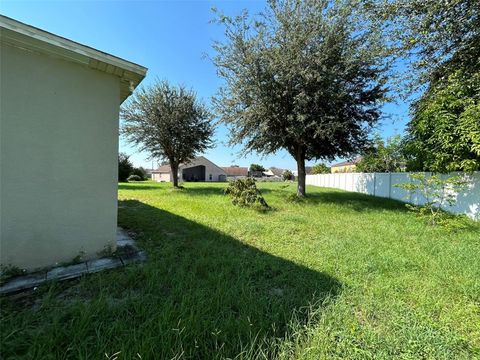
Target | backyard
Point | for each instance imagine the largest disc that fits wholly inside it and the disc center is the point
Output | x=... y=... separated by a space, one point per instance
x=339 y=275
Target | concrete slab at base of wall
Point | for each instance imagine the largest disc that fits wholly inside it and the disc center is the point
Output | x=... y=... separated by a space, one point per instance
x=127 y=253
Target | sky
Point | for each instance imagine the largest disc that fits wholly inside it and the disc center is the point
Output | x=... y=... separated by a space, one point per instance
x=171 y=39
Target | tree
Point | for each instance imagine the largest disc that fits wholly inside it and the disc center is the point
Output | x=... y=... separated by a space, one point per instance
x=140 y=172
x=320 y=169
x=257 y=167
x=384 y=156
x=444 y=134
x=305 y=76
x=168 y=122
x=430 y=34
x=441 y=40
x=288 y=175
x=125 y=167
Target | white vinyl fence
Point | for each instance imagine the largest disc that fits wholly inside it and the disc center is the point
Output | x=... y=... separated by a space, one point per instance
x=383 y=185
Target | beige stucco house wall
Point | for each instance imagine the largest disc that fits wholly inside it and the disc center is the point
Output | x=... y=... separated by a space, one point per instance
x=161 y=177
x=58 y=146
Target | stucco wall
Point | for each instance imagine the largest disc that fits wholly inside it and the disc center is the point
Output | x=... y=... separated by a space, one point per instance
x=161 y=177
x=58 y=156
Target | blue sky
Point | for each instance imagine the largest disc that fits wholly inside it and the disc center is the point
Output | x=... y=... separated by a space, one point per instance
x=170 y=39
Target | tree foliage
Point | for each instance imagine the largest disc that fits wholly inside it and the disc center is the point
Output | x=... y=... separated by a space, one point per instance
x=444 y=134
x=288 y=175
x=320 y=169
x=383 y=156
x=305 y=76
x=125 y=167
x=256 y=167
x=168 y=122
x=430 y=34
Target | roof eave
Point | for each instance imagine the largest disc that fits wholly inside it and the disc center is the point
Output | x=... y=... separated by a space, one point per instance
x=27 y=37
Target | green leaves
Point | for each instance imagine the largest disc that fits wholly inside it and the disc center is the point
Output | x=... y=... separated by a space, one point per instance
x=168 y=122
x=444 y=134
x=384 y=156
x=305 y=76
x=244 y=193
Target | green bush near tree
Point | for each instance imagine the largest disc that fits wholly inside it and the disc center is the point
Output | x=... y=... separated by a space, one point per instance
x=244 y=192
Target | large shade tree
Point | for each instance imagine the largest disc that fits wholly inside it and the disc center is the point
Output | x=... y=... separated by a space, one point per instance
x=432 y=36
x=305 y=76
x=168 y=122
x=441 y=42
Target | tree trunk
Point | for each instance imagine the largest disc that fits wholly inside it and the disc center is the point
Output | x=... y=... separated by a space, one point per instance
x=174 y=168
x=300 y=157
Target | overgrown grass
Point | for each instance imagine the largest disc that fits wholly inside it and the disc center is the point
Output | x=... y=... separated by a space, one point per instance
x=338 y=275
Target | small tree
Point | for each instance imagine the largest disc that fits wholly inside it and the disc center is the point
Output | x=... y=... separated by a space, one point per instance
x=288 y=175
x=125 y=167
x=169 y=123
x=320 y=169
x=438 y=193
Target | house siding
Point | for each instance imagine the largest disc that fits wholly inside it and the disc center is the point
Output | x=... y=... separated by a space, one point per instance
x=58 y=155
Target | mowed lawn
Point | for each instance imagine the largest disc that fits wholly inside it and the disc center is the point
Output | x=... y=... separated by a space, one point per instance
x=340 y=275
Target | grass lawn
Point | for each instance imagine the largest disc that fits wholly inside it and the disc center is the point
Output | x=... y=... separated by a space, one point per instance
x=340 y=275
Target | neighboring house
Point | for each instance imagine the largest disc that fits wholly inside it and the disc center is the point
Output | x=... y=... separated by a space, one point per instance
x=268 y=173
x=199 y=169
x=162 y=174
x=345 y=166
x=59 y=146
x=236 y=172
x=277 y=172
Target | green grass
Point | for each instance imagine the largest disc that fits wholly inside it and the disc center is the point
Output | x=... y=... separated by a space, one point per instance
x=339 y=275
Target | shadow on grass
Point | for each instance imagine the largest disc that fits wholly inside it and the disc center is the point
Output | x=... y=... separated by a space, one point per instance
x=354 y=201
x=209 y=190
x=229 y=297
x=138 y=186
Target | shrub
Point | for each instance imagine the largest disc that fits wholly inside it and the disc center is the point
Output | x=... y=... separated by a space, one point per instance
x=125 y=167
x=438 y=193
x=134 y=178
x=140 y=171
x=244 y=192
x=288 y=175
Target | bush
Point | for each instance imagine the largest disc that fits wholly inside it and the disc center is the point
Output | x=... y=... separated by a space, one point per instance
x=288 y=175
x=140 y=171
x=244 y=192
x=134 y=178
x=125 y=167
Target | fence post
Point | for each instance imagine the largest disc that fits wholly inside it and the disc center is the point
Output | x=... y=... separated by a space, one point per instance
x=389 y=185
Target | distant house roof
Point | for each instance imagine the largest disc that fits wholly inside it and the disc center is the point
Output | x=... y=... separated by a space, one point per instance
x=18 y=34
x=350 y=162
x=236 y=171
x=277 y=171
x=162 y=170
